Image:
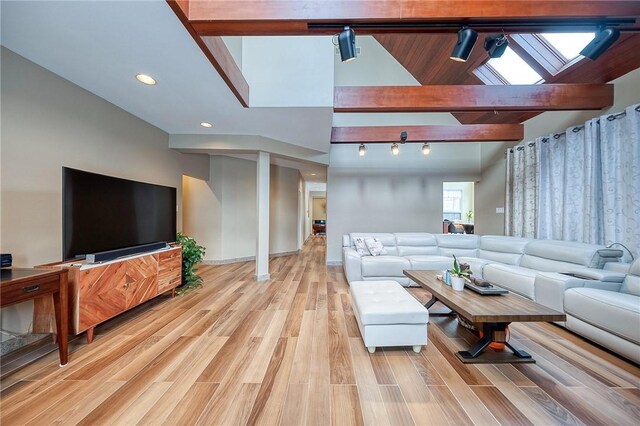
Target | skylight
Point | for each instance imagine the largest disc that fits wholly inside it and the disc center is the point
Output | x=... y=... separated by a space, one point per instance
x=514 y=69
x=569 y=44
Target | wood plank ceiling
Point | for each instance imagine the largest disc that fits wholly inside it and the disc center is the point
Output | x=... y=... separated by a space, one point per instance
x=426 y=57
x=424 y=42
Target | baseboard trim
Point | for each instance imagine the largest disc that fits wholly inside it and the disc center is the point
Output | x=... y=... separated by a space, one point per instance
x=334 y=263
x=247 y=259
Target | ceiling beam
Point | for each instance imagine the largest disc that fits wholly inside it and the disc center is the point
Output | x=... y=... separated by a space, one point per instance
x=280 y=17
x=216 y=52
x=542 y=97
x=432 y=133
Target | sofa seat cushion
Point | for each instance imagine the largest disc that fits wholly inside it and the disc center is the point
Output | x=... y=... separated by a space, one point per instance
x=514 y=278
x=475 y=264
x=617 y=313
x=386 y=302
x=430 y=262
x=384 y=266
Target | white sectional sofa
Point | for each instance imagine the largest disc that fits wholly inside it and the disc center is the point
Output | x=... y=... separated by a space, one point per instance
x=499 y=259
x=601 y=302
x=602 y=308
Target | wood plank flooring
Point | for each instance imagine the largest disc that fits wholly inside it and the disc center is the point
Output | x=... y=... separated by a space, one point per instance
x=288 y=351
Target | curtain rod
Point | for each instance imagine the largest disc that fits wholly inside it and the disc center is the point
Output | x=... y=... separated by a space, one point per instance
x=576 y=129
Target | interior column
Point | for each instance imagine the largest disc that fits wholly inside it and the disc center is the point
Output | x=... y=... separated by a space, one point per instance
x=262 y=249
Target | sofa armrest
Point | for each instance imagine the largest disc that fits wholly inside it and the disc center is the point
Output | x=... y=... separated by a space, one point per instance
x=597 y=274
x=352 y=264
x=549 y=288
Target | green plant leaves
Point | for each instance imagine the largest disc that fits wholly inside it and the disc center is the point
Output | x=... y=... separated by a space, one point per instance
x=192 y=255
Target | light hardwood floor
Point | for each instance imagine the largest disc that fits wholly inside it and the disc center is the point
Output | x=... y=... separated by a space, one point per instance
x=288 y=351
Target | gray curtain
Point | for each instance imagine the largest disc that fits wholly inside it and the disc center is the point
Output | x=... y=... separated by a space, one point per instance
x=583 y=185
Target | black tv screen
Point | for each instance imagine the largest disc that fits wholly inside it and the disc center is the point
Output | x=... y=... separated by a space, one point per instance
x=105 y=213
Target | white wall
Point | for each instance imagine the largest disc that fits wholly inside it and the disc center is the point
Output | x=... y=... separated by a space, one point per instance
x=283 y=205
x=202 y=214
x=48 y=123
x=288 y=71
x=226 y=223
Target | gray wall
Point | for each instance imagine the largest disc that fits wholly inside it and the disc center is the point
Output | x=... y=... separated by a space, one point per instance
x=489 y=195
x=365 y=200
x=48 y=123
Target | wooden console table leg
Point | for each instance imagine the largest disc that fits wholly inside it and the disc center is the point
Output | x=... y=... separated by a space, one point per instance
x=60 y=303
x=173 y=292
x=90 y=335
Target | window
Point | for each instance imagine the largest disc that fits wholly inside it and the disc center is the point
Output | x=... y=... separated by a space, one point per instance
x=513 y=69
x=568 y=45
x=452 y=204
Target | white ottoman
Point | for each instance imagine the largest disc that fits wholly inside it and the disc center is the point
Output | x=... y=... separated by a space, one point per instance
x=388 y=316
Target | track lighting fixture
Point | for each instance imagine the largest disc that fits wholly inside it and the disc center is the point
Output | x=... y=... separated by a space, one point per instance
x=495 y=45
x=466 y=40
x=426 y=149
x=603 y=40
x=395 y=150
x=347 y=44
x=362 y=150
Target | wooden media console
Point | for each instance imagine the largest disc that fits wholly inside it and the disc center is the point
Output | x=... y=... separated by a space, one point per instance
x=99 y=292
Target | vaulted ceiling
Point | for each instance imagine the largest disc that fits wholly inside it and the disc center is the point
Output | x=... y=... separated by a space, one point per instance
x=426 y=57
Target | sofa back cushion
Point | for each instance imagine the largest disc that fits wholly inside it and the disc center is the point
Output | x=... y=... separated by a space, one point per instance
x=458 y=244
x=387 y=240
x=508 y=250
x=631 y=284
x=558 y=256
x=414 y=243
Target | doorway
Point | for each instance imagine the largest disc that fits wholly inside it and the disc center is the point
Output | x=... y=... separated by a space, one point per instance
x=319 y=215
x=458 y=207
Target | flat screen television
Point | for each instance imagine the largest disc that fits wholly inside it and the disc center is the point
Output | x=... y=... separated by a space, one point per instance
x=103 y=213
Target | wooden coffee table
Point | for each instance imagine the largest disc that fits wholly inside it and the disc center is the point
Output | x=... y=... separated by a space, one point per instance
x=491 y=314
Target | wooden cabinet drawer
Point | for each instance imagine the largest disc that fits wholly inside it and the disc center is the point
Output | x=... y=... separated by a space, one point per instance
x=170 y=269
x=17 y=292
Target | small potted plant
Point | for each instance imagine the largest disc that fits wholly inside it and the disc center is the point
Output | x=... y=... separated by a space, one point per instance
x=192 y=255
x=469 y=215
x=459 y=273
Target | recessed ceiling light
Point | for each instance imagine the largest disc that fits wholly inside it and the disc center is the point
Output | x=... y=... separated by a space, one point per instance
x=313 y=174
x=205 y=124
x=146 y=79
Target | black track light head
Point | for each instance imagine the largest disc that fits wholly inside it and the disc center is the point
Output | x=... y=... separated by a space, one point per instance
x=347 y=44
x=466 y=40
x=495 y=45
x=403 y=137
x=603 y=40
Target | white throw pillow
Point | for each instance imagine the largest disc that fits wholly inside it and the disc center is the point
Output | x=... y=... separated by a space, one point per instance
x=361 y=246
x=375 y=246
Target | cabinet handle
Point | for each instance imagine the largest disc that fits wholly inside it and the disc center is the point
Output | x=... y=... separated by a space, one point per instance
x=30 y=289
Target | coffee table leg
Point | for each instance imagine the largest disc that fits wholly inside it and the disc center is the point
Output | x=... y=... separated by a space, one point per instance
x=476 y=349
x=493 y=332
x=518 y=352
x=431 y=302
